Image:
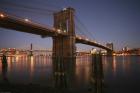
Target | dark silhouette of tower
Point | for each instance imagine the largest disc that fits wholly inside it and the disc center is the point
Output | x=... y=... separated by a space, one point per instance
x=64 y=49
x=31 y=50
x=4 y=68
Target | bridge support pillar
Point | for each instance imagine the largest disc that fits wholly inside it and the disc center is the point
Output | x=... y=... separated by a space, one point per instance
x=64 y=50
x=97 y=73
x=109 y=53
x=63 y=60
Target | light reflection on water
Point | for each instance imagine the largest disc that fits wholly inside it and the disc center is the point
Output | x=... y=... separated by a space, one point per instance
x=120 y=72
x=38 y=70
x=24 y=69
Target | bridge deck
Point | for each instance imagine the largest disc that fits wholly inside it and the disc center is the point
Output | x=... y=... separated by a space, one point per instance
x=92 y=43
x=22 y=25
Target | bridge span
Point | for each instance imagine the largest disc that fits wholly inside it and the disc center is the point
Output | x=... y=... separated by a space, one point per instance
x=27 y=26
x=64 y=40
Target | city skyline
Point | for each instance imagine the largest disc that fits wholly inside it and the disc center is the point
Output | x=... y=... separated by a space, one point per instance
x=108 y=21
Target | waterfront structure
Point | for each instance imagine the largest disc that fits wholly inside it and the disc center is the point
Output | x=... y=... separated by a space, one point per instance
x=110 y=45
x=64 y=40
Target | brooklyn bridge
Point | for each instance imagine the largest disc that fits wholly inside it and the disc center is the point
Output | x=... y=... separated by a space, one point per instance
x=63 y=31
x=63 y=36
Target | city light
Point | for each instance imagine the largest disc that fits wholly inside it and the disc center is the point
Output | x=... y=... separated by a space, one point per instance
x=93 y=51
x=64 y=31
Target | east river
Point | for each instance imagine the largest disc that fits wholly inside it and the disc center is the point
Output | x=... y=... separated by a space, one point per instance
x=121 y=73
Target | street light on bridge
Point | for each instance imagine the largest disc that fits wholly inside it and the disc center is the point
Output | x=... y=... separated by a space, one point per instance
x=2 y=15
x=26 y=20
x=58 y=30
x=87 y=39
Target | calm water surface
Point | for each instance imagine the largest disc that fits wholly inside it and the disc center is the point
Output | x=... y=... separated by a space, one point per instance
x=121 y=73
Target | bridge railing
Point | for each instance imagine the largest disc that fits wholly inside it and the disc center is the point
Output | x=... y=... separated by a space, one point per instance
x=90 y=42
x=45 y=27
x=24 y=20
x=86 y=39
x=29 y=21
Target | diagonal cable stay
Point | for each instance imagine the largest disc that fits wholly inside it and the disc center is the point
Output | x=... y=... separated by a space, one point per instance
x=80 y=27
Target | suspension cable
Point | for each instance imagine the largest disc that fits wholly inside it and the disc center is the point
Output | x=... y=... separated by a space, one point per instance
x=84 y=27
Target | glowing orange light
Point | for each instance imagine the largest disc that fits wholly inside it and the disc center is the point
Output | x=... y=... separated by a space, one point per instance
x=58 y=30
x=2 y=15
x=87 y=39
x=27 y=20
x=80 y=38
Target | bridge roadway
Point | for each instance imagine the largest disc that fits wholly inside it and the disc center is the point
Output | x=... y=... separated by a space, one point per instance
x=92 y=43
x=25 y=25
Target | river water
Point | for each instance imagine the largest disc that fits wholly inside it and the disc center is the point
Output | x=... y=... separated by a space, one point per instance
x=121 y=73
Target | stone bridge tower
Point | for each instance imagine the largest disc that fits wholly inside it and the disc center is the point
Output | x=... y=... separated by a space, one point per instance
x=64 y=49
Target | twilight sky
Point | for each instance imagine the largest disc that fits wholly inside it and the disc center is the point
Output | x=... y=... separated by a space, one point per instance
x=116 y=21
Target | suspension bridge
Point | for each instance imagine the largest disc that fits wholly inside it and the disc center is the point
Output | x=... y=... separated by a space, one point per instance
x=62 y=33
x=25 y=25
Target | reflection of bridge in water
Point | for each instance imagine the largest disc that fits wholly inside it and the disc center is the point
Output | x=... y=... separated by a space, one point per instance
x=63 y=35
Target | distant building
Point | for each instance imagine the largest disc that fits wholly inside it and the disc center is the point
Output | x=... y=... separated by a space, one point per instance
x=110 y=45
x=93 y=51
x=135 y=51
x=125 y=49
x=128 y=51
